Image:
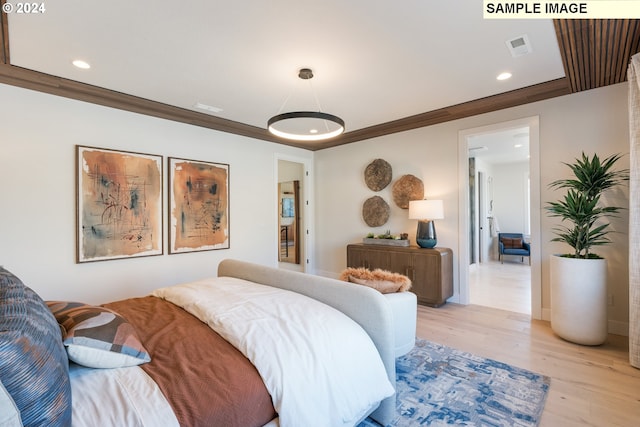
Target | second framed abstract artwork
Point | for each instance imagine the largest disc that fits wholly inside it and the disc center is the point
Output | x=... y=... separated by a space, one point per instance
x=198 y=205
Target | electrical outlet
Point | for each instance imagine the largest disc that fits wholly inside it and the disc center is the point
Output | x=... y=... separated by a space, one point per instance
x=610 y=300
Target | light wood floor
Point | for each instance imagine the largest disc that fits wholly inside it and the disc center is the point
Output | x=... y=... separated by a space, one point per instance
x=590 y=386
x=501 y=285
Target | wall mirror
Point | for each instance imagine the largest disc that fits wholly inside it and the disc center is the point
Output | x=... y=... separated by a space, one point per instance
x=289 y=222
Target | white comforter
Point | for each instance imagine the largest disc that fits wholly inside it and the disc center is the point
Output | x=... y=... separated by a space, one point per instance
x=134 y=399
x=320 y=367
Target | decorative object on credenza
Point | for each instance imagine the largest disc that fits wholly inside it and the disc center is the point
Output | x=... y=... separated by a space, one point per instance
x=378 y=174
x=387 y=239
x=198 y=206
x=306 y=125
x=407 y=188
x=119 y=204
x=375 y=211
x=425 y=211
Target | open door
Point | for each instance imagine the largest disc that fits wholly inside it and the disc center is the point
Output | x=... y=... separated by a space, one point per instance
x=289 y=222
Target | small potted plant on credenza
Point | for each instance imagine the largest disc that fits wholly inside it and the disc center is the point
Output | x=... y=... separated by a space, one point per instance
x=579 y=279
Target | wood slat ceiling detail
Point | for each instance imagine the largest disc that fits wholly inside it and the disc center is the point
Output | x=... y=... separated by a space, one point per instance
x=595 y=53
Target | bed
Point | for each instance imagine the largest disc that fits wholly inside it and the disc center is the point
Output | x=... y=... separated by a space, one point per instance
x=252 y=346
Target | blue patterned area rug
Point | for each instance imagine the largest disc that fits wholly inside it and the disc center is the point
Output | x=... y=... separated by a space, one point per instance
x=438 y=386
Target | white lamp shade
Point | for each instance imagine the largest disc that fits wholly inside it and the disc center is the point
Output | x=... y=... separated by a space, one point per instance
x=426 y=209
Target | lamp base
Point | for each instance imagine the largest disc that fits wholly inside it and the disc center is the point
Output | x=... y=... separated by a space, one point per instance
x=426 y=234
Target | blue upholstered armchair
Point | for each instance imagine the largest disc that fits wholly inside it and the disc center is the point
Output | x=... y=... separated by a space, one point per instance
x=513 y=244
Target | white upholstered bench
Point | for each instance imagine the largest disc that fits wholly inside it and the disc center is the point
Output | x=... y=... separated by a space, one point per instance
x=404 y=306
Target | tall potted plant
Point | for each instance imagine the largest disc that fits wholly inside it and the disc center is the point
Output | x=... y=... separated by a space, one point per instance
x=578 y=279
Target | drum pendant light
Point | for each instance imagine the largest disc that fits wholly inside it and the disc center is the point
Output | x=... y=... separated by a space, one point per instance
x=306 y=125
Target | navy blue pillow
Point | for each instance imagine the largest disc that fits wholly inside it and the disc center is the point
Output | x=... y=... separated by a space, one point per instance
x=34 y=367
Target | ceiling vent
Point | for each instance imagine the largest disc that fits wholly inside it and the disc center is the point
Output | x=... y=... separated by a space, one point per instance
x=519 y=46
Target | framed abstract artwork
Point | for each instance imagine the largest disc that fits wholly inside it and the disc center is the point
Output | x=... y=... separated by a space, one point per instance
x=198 y=206
x=119 y=204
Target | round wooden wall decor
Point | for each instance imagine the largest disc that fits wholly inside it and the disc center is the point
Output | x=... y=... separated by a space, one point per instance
x=377 y=174
x=407 y=188
x=375 y=211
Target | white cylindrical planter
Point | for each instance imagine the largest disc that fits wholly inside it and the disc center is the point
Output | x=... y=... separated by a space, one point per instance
x=579 y=299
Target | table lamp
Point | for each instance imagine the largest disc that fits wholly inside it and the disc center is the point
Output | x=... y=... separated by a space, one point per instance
x=425 y=211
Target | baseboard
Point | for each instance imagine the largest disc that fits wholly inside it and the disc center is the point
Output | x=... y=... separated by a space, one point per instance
x=613 y=326
x=455 y=298
x=618 y=328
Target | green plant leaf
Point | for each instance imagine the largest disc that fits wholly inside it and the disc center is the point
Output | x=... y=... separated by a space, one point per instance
x=580 y=207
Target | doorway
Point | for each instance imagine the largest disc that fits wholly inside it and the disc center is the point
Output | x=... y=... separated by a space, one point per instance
x=293 y=213
x=480 y=219
x=289 y=221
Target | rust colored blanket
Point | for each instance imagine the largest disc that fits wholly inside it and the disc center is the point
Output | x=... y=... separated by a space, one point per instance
x=207 y=381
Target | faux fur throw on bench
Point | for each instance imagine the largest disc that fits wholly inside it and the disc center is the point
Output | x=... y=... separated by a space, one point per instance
x=380 y=280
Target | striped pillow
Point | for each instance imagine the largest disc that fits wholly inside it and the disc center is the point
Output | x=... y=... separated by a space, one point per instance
x=97 y=337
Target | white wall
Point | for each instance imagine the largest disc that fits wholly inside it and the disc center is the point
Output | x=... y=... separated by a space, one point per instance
x=428 y=153
x=505 y=187
x=509 y=201
x=37 y=187
x=594 y=121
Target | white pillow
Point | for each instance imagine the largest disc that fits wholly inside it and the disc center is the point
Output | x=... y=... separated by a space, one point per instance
x=85 y=355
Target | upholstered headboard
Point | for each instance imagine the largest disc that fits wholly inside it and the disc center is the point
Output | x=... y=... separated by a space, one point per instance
x=366 y=306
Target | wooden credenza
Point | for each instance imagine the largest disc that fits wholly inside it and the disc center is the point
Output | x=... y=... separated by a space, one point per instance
x=430 y=270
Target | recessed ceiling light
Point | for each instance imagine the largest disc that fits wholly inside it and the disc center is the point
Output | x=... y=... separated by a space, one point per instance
x=504 y=76
x=517 y=145
x=81 y=64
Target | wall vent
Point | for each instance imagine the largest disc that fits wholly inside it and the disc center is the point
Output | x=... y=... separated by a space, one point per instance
x=519 y=46
x=480 y=148
x=473 y=151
